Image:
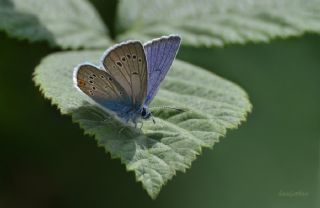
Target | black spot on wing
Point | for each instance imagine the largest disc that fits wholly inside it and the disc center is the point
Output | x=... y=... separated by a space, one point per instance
x=119 y=63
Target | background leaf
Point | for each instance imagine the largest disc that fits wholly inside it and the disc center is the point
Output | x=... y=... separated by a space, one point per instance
x=218 y=22
x=68 y=24
x=155 y=152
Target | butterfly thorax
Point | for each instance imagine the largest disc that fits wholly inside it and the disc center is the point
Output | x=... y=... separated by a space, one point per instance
x=136 y=115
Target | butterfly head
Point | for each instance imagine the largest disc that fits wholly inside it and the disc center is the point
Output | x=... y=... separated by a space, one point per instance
x=145 y=113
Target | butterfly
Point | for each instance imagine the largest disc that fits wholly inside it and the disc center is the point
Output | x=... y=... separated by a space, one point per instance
x=129 y=76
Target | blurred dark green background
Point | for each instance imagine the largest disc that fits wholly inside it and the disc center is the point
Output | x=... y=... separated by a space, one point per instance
x=45 y=161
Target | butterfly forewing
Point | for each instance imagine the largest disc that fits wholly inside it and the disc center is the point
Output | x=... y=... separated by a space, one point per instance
x=102 y=88
x=160 y=54
x=127 y=64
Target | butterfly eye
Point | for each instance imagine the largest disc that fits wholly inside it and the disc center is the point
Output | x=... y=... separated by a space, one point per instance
x=91 y=77
x=94 y=88
x=123 y=58
x=134 y=72
x=140 y=60
x=102 y=77
x=109 y=78
x=91 y=82
x=90 y=91
x=94 y=75
x=119 y=63
x=128 y=55
x=134 y=56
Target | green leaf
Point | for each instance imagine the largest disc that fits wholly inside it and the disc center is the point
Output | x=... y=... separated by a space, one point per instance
x=218 y=22
x=64 y=23
x=157 y=151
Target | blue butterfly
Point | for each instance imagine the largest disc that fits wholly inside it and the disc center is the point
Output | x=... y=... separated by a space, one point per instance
x=129 y=77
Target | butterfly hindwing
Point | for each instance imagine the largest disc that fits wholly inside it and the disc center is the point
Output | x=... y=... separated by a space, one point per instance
x=127 y=64
x=160 y=54
x=102 y=88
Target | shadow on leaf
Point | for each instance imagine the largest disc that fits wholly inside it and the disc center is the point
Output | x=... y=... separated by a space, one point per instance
x=117 y=138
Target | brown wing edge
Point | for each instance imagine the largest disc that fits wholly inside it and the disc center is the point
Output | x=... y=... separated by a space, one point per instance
x=75 y=73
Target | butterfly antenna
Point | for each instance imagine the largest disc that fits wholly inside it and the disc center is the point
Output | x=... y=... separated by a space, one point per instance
x=168 y=107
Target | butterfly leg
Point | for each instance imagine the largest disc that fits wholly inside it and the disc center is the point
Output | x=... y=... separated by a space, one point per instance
x=136 y=124
x=154 y=121
x=141 y=125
